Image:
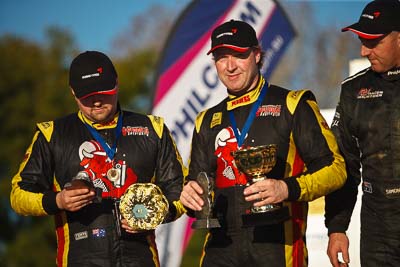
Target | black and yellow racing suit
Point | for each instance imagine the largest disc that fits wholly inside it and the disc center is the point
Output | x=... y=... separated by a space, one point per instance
x=367 y=127
x=307 y=160
x=145 y=153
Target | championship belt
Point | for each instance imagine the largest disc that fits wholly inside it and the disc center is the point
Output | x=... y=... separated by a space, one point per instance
x=144 y=206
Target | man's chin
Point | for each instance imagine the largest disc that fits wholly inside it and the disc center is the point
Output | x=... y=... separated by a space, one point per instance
x=378 y=69
x=103 y=118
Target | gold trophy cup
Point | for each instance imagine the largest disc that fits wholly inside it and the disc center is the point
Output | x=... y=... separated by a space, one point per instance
x=256 y=162
x=204 y=217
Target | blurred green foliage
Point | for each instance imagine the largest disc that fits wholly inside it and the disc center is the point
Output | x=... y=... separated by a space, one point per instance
x=33 y=87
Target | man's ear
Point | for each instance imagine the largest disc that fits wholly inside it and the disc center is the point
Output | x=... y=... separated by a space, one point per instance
x=398 y=38
x=257 y=54
x=72 y=91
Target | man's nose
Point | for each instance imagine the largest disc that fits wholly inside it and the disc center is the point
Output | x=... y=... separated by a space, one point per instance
x=97 y=100
x=364 y=50
x=231 y=63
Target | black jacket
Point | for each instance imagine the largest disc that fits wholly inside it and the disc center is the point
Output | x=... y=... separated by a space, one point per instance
x=60 y=149
x=307 y=160
x=367 y=127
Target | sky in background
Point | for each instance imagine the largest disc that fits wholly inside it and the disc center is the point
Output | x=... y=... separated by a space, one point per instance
x=96 y=23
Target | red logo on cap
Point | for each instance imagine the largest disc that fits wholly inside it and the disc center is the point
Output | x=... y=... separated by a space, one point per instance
x=100 y=70
x=377 y=14
x=234 y=30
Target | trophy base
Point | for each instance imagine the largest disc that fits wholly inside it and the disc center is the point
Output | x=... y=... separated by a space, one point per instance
x=205 y=223
x=266 y=218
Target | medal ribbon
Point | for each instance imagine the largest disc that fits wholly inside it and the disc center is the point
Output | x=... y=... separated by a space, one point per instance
x=240 y=136
x=110 y=151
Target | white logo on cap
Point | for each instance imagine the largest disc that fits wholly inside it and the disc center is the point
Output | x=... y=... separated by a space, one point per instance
x=90 y=75
x=223 y=34
x=367 y=16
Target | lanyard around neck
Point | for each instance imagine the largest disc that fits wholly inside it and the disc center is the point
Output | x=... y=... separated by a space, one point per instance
x=240 y=136
x=110 y=151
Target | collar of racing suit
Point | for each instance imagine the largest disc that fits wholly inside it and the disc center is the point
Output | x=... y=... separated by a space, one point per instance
x=100 y=126
x=392 y=74
x=246 y=99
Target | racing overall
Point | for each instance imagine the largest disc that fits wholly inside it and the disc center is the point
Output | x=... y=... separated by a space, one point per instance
x=307 y=160
x=145 y=153
x=367 y=127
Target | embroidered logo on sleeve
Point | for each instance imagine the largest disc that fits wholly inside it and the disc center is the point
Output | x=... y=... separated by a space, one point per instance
x=367 y=187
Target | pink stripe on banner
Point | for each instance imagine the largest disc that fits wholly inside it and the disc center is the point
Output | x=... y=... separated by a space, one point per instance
x=187 y=234
x=169 y=77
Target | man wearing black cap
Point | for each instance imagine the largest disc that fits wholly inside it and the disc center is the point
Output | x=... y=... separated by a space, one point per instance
x=254 y=114
x=79 y=166
x=367 y=127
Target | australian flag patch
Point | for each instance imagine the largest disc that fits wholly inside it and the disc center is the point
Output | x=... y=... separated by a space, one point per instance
x=99 y=232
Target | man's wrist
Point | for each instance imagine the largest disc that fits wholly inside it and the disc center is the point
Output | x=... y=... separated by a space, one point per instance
x=50 y=203
x=293 y=188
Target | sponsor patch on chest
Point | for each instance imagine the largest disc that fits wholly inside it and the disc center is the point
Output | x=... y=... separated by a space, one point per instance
x=269 y=110
x=365 y=93
x=135 y=130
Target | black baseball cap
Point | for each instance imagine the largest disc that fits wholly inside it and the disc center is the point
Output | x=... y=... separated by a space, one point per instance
x=91 y=73
x=378 y=18
x=234 y=34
